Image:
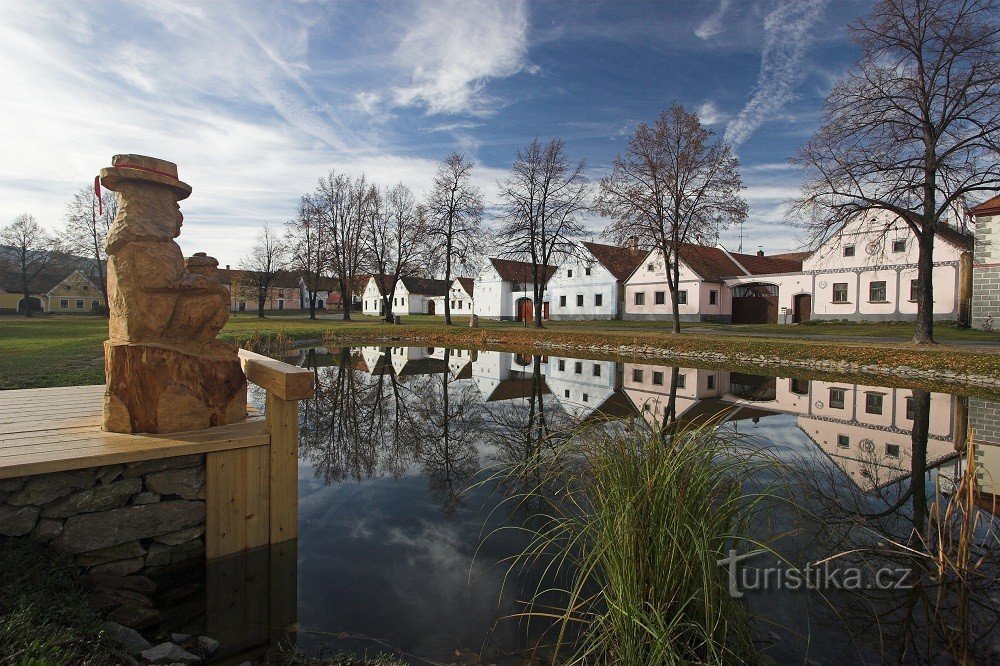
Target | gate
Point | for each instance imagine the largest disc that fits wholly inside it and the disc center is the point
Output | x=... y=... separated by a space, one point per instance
x=755 y=303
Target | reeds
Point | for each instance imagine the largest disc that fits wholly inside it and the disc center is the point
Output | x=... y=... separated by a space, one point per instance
x=637 y=522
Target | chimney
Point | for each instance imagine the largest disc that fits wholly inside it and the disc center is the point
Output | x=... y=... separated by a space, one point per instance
x=634 y=243
x=227 y=267
x=760 y=253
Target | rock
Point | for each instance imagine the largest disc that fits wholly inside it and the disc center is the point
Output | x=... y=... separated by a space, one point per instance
x=119 y=568
x=140 y=584
x=145 y=497
x=180 y=638
x=17 y=520
x=98 y=498
x=135 y=616
x=47 y=529
x=43 y=488
x=110 y=473
x=474 y=321
x=181 y=536
x=168 y=653
x=146 y=466
x=12 y=485
x=103 y=600
x=129 y=640
x=122 y=551
x=162 y=554
x=92 y=531
x=187 y=483
x=206 y=646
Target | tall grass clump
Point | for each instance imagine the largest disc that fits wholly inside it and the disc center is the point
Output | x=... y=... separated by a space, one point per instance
x=630 y=544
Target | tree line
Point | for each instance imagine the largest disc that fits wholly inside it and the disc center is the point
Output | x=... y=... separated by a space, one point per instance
x=913 y=128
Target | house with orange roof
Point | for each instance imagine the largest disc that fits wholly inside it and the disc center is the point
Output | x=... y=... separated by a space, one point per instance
x=505 y=290
x=590 y=284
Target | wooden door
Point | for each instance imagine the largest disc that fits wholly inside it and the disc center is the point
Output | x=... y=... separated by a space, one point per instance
x=545 y=310
x=525 y=310
x=431 y=307
x=803 y=308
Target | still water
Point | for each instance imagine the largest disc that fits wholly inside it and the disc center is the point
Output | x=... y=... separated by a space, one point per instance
x=402 y=546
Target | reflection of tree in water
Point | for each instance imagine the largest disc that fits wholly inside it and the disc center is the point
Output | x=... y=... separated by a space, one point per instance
x=448 y=418
x=943 y=545
x=358 y=425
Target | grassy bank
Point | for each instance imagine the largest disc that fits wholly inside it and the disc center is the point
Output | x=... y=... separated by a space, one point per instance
x=66 y=351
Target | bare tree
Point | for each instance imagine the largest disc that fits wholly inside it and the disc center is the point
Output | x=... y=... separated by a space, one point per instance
x=308 y=240
x=260 y=268
x=86 y=230
x=542 y=199
x=912 y=128
x=394 y=240
x=454 y=215
x=673 y=185
x=348 y=205
x=31 y=252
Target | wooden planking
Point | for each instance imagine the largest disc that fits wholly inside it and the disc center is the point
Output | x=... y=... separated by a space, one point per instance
x=283 y=425
x=287 y=381
x=237 y=504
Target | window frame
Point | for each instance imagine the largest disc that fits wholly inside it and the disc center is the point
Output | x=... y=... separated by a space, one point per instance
x=659 y=298
x=870 y=396
x=682 y=297
x=639 y=298
x=872 y=291
x=850 y=250
x=845 y=290
x=841 y=399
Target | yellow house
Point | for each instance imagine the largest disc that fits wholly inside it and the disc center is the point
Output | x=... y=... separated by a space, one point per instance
x=12 y=297
x=75 y=294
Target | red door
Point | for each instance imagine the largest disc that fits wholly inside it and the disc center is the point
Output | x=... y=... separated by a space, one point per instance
x=545 y=310
x=525 y=309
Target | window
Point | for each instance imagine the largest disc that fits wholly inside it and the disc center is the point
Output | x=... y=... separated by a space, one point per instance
x=95 y=305
x=460 y=305
x=566 y=393
x=873 y=403
x=838 y=397
x=579 y=300
x=682 y=297
x=598 y=300
x=586 y=397
x=713 y=297
x=637 y=375
x=660 y=297
x=586 y=270
x=848 y=250
x=640 y=298
x=578 y=368
x=657 y=378
x=453 y=304
x=892 y=450
x=569 y=273
x=711 y=382
x=899 y=245
x=319 y=304
x=64 y=303
x=649 y=267
x=597 y=370
x=839 y=292
x=79 y=304
x=681 y=380
x=910 y=408
x=914 y=290
x=843 y=442
x=562 y=365
x=799 y=386
x=281 y=304
x=562 y=301
x=876 y=292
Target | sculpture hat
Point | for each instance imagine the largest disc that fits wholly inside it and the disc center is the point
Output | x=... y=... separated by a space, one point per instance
x=140 y=167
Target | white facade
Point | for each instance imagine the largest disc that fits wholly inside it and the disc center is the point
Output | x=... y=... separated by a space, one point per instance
x=581 y=386
x=461 y=301
x=499 y=297
x=581 y=288
x=404 y=301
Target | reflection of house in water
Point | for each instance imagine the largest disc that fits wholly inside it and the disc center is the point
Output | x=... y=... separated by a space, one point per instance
x=376 y=359
x=581 y=386
x=460 y=363
x=505 y=375
x=648 y=387
x=864 y=430
x=984 y=427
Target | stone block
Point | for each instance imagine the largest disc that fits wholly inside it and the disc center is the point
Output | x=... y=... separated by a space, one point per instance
x=43 y=488
x=47 y=529
x=119 y=568
x=17 y=520
x=161 y=554
x=129 y=640
x=144 y=467
x=180 y=536
x=122 y=551
x=135 y=616
x=97 y=498
x=92 y=531
x=186 y=483
x=145 y=497
x=168 y=653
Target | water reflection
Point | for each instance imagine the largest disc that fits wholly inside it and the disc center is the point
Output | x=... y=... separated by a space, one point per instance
x=399 y=444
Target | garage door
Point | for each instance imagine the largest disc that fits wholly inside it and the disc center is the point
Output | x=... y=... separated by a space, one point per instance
x=755 y=304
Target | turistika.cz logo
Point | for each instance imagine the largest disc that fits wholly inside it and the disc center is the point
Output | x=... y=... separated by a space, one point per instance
x=826 y=575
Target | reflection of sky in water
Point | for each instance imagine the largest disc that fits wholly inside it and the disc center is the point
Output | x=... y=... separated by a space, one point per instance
x=391 y=522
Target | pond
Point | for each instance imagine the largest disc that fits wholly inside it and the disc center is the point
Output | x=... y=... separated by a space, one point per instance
x=402 y=546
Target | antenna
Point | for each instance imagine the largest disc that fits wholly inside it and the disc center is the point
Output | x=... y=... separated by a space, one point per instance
x=741 y=237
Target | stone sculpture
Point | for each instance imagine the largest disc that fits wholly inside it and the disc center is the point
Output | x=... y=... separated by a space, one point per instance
x=166 y=371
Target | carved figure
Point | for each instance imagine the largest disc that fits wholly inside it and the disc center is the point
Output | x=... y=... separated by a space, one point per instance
x=166 y=371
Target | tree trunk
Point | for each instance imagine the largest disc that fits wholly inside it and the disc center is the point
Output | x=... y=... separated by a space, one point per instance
x=345 y=303
x=537 y=291
x=260 y=307
x=27 y=303
x=388 y=300
x=923 y=333
x=312 y=302
x=674 y=290
x=918 y=468
x=447 y=279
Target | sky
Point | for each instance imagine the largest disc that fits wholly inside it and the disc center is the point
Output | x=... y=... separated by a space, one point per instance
x=256 y=100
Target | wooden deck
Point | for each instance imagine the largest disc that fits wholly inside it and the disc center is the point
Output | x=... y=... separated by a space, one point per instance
x=58 y=429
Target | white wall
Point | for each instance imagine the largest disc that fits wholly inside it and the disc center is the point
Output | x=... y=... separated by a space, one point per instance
x=580 y=386
x=562 y=285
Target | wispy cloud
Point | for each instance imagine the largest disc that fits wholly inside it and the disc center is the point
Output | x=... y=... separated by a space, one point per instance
x=713 y=24
x=787 y=34
x=710 y=114
x=455 y=47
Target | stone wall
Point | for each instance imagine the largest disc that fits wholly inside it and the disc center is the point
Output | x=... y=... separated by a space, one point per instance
x=984 y=420
x=986 y=274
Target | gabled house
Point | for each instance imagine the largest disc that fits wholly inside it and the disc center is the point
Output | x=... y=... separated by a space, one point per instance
x=283 y=294
x=461 y=296
x=591 y=283
x=12 y=296
x=986 y=265
x=413 y=295
x=76 y=293
x=505 y=290
x=327 y=293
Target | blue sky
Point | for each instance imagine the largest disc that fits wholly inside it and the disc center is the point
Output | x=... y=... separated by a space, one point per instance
x=255 y=101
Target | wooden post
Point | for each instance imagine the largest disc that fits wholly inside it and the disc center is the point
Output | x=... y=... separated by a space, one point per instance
x=283 y=425
x=965 y=290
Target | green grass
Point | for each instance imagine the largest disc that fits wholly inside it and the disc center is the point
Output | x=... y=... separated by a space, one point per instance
x=636 y=521
x=44 y=617
x=66 y=350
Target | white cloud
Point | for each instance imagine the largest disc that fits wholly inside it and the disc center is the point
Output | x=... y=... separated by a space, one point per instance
x=787 y=34
x=712 y=25
x=710 y=114
x=454 y=47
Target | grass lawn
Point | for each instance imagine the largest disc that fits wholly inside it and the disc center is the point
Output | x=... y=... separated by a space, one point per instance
x=66 y=350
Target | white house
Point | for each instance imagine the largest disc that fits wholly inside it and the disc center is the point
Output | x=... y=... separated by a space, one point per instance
x=986 y=269
x=581 y=386
x=413 y=295
x=591 y=283
x=504 y=290
x=461 y=296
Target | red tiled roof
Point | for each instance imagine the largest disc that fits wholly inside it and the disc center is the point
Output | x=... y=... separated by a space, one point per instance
x=468 y=284
x=711 y=263
x=758 y=265
x=518 y=271
x=620 y=261
x=794 y=256
x=282 y=279
x=956 y=237
x=988 y=207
